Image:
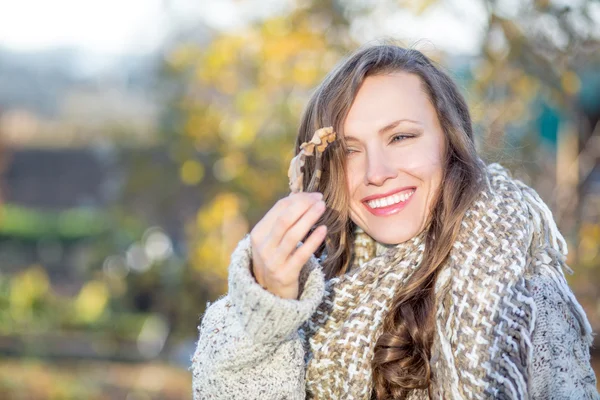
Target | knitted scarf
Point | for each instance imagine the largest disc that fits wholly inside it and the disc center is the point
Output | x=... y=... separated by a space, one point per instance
x=484 y=316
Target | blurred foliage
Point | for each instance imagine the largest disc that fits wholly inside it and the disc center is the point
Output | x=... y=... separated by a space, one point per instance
x=24 y=223
x=33 y=380
x=30 y=305
x=235 y=117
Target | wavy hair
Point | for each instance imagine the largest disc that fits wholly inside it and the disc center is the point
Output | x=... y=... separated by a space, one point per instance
x=403 y=351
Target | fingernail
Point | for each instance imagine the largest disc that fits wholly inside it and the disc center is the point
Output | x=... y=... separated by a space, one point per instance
x=316 y=195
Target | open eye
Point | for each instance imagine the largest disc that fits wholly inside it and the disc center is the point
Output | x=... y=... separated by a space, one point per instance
x=400 y=137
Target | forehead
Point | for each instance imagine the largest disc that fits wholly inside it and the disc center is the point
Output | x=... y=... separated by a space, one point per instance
x=385 y=98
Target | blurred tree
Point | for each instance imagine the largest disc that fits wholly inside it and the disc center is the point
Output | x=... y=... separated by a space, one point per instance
x=532 y=55
x=3 y=160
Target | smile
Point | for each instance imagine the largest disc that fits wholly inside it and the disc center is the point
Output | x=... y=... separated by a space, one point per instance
x=390 y=204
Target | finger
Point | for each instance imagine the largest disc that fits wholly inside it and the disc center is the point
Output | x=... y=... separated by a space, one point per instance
x=298 y=205
x=304 y=252
x=265 y=225
x=300 y=229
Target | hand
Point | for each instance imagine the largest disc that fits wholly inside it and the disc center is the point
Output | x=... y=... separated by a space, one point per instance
x=276 y=260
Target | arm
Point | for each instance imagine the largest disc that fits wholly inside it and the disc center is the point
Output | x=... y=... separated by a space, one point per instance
x=560 y=367
x=248 y=345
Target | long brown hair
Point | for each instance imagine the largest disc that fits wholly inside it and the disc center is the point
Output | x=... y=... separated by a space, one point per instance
x=402 y=352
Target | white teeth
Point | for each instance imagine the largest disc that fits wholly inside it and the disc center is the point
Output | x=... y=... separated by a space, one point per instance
x=388 y=201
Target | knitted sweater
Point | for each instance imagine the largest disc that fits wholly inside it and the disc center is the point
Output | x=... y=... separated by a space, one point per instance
x=254 y=345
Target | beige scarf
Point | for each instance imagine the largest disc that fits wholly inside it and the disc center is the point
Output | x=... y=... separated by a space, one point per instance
x=485 y=314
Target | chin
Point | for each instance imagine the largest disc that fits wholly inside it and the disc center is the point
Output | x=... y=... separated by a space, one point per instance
x=391 y=234
x=392 y=238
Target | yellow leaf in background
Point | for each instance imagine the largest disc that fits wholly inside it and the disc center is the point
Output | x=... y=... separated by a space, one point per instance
x=276 y=27
x=91 y=301
x=250 y=101
x=220 y=57
x=570 y=82
x=206 y=219
x=305 y=73
x=229 y=167
x=228 y=204
x=227 y=81
x=589 y=244
x=483 y=71
x=182 y=57
x=193 y=125
x=25 y=288
x=212 y=215
x=525 y=87
x=220 y=225
x=191 y=172
x=242 y=132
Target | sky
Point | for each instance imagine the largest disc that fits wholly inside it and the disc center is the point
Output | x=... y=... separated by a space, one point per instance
x=120 y=27
x=98 y=26
x=139 y=26
x=111 y=26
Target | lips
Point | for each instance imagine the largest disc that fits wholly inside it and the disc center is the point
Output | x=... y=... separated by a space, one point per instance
x=395 y=191
x=389 y=203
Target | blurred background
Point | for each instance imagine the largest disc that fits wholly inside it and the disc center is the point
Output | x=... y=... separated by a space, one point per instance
x=141 y=139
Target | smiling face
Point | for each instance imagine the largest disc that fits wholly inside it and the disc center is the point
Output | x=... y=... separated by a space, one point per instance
x=395 y=157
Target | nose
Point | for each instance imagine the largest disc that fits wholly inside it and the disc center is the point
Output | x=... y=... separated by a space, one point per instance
x=379 y=170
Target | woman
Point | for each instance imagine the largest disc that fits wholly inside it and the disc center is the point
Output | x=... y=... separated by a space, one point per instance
x=437 y=277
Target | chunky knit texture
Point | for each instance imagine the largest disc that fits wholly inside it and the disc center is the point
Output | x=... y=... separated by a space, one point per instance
x=249 y=346
x=560 y=366
x=507 y=324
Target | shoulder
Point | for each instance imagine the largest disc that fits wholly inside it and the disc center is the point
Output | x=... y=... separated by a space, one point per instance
x=560 y=366
x=557 y=308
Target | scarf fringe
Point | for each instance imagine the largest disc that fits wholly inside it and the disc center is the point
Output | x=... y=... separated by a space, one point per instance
x=550 y=254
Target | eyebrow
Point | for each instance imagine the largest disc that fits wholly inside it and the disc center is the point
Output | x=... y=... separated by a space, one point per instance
x=388 y=127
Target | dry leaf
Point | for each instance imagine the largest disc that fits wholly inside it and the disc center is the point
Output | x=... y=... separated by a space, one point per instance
x=295 y=173
x=319 y=141
x=308 y=147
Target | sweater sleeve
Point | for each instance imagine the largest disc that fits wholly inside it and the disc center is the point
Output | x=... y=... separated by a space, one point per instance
x=248 y=343
x=560 y=367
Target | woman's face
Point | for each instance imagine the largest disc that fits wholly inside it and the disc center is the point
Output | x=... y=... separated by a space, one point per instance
x=394 y=162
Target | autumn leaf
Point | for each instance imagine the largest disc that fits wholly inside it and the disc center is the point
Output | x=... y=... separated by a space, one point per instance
x=320 y=140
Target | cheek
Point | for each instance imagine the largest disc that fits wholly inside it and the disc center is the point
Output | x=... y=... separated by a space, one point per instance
x=430 y=172
x=424 y=156
x=354 y=178
x=424 y=161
